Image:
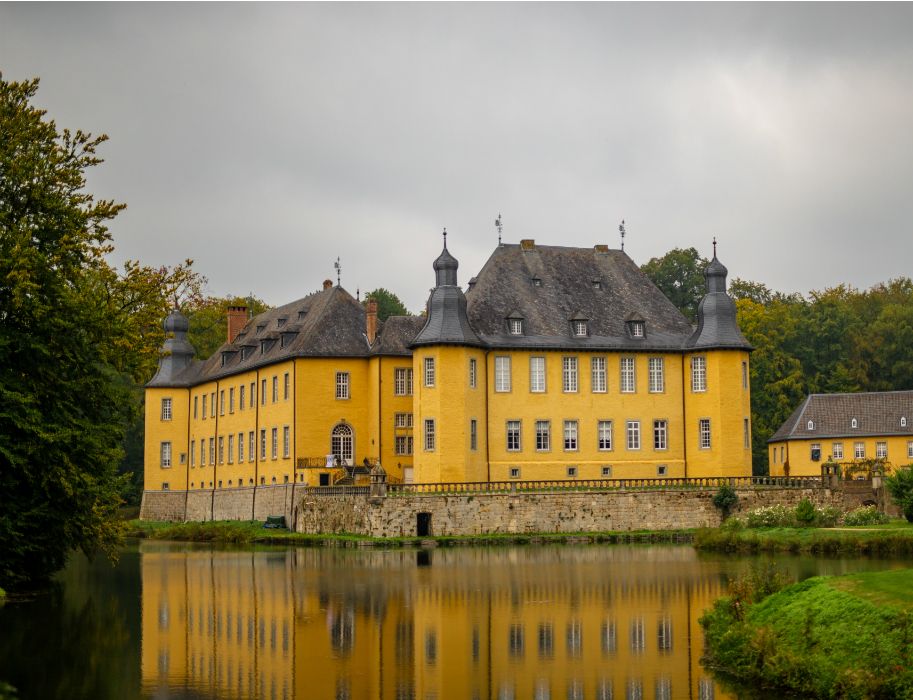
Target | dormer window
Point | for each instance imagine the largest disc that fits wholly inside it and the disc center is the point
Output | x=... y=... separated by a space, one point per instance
x=302 y=314
x=536 y=282
x=281 y=322
x=854 y=423
x=515 y=326
x=636 y=329
x=811 y=425
x=596 y=284
x=266 y=344
x=903 y=421
x=260 y=328
x=580 y=328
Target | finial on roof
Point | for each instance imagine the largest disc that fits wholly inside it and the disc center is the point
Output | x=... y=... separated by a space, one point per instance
x=357 y=293
x=499 y=226
x=445 y=238
x=714 y=246
x=621 y=230
x=338 y=266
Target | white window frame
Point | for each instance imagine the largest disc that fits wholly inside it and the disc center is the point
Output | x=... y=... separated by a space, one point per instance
x=704 y=435
x=262 y=443
x=165 y=454
x=193 y=453
x=429 y=375
x=604 y=436
x=342 y=386
x=286 y=442
x=881 y=450
x=274 y=443
x=858 y=450
x=253 y=394
x=202 y=452
x=515 y=326
x=657 y=375
x=275 y=388
x=429 y=435
x=231 y=448
x=638 y=329
x=571 y=436
x=221 y=402
x=543 y=436
x=263 y=392
x=811 y=449
x=837 y=450
x=698 y=374
x=502 y=374
x=628 y=369
x=537 y=374
x=512 y=436
x=599 y=383
x=661 y=434
x=241 y=396
x=402 y=381
x=909 y=449
x=473 y=373
x=231 y=399
x=166 y=408
x=251 y=445
x=473 y=434
x=286 y=386
x=606 y=471
x=580 y=329
x=212 y=450
x=221 y=449
x=240 y=448
x=632 y=435
x=402 y=420
x=403 y=445
x=205 y=399
x=569 y=376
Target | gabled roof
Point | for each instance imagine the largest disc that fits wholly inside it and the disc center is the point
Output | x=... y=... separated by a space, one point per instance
x=876 y=413
x=567 y=291
x=396 y=334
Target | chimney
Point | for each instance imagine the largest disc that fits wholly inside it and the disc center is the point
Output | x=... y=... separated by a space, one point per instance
x=327 y=284
x=528 y=244
x=371 y=320
x=237 y=319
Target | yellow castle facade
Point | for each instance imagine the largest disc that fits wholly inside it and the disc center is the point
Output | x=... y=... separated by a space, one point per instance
x=556 y=363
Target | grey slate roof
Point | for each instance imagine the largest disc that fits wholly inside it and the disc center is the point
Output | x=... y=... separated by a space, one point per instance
x=604 y=287
x=328 y=323
x=876 y=413
x=447 y=322
x=396 y=334
x=716 y=314
x=177 y=352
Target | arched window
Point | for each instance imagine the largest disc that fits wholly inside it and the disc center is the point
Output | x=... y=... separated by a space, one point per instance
x=811 y=425
x=854 y=423
x=341 y=443
x=903 y=421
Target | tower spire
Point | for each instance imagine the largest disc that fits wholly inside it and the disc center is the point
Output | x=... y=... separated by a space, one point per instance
x=499 y=226
x=714 y=246
x=621 y=230
x=445 y=238
x=338 y=266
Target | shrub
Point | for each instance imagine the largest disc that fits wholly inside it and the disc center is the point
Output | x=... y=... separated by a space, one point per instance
x=725 y=499
x=900 y=486
x=866 y=515
x=805 y=513
x=771 y=516
x=827 y=516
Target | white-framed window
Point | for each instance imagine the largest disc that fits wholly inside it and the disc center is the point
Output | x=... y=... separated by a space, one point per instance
x=402 y=420
x=429 y=371
x=637 y=329
x=222 y=402
x=854 y=423
x=744 y=374
x=571 y=472
x=251 y=446
x=196 y=405
x=202 y=453
x=342 y=443
x=403 y=444
x=703 y=431
x=607 y=471
x=212 y=404
x=275 y=388
x=286 y=386
x=205 y=398
x=543 y=436
x=274 y=443
x=286 y=442
x=537 y=375
x=241 y=396
x=240 y=447
x=909 y=449
x=632 y=434
x=473 y=434
x=429 y=434
x=342 y=385
x=859 y=449
x=580 y=328
x=599 y=382
x=231 y=400
x=263 y=392
x=628 y=381
x=166 y=409
x=657 y=375
x=698 y=373
x=262 y=443
x=502 y=373
x=231 y=448
x=402 y=381
x=881 y=450
x=515 y=325
x=836 y=450
x=815 y=449
x=212 y=450
x=569 y=375
x=604 y=435
x=193 y=453
x=660 y=435
x=473 y=373
x=166 y=454
x=253 y=394
x=903 y=421
x=570 y=436
x=811 y=425
x=513 y=436
x=515 y=472
x=221 y=449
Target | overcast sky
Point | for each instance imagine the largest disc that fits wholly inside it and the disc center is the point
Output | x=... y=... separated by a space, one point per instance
x=265 y=140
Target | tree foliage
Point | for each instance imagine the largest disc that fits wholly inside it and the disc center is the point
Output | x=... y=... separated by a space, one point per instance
x=388 y=304
x=63 y=406
x=679 y=274
x=208 y=318
x=900 y=485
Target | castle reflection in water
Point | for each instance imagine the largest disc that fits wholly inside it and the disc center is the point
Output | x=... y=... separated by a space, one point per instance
x=489 y=624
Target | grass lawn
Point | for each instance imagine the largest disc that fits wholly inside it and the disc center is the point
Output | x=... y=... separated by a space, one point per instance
x=886 y=588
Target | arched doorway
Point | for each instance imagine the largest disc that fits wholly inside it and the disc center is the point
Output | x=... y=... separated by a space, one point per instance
x=342 y=444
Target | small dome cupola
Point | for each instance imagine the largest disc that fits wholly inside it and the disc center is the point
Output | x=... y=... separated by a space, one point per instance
x=715 y=274
x=176 y=322
x=177 y=352
x=716 y=314
x=445 y=267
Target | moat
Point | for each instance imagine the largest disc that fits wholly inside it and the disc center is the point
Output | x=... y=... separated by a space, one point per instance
x=196 y=621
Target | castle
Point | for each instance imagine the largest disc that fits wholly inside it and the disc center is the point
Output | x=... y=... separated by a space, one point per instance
x=557 y=363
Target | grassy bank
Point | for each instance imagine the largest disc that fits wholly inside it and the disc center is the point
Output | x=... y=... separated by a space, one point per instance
x=841 y=637
x=886 y=540
x=247 y=532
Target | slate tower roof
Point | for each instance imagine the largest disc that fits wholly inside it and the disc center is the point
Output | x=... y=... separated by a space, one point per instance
x=716 y=314
x=177 y=352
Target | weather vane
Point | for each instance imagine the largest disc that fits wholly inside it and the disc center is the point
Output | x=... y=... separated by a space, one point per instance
x=500 y=227
x=621 y=230
x=714 y=246
x=338 y=266
x=445 y=237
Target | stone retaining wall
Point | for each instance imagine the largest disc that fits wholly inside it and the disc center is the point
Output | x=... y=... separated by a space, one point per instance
x=248 y=503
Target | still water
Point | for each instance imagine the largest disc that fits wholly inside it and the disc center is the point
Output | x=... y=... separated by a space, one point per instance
x=553 y=622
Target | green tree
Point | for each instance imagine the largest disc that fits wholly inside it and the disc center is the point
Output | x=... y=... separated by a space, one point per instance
x=758 y=292
x=679 y=274
x=900 y=486
x=388 y=304
x=63 y=408
x=208 y=318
